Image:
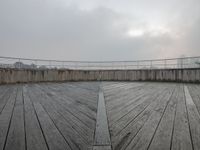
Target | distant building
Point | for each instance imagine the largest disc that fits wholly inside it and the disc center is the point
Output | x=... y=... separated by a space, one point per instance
x=6 y=66
x=43 y=67
x=25 y=66
x=33 y=66
x=18 y=65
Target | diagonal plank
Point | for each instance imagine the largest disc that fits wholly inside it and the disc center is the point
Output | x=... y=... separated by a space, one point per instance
x=133 y=115
x=194 y=119
x=68 y=131
x=123 y=138
x=53 y=136
x=102 y=135
x=163 y=134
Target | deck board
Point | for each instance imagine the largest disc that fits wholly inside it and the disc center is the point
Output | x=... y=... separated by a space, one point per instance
x=194 y=119
x=5 y=118
x=34 y=136
x=140 y=115
x=54 y=138
x=181 y=136
x=4 y=96
x=163 y=134
x=16 y=134
x=123 y=135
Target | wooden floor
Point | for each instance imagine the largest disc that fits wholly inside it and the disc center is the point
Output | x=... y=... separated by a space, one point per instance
x=62 y=116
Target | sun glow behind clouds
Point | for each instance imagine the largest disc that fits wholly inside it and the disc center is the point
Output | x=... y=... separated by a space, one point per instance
x=135 y=32
x=150 y=30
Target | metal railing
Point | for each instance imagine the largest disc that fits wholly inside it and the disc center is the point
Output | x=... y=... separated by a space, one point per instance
x=25 y=63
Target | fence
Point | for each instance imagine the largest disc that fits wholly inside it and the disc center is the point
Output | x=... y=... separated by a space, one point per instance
x=173 y=63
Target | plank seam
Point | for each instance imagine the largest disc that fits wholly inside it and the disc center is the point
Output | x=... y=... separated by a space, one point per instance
x=24 y=119
x=69 y=111
x=132 y=120
x=185 y=88
x=39 y=122
x=10 y=121
x=134 y=107
x=56 y=125
x=196 y=104
x=161 y=118
x=82 y=138
x=172 y=134
x=8 y=90
x=142 y=126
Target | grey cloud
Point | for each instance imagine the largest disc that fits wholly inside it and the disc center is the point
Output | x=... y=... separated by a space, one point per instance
x=50 y=30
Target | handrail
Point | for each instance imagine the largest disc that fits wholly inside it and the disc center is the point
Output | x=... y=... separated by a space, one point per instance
x=24 y=63
x=35 y=59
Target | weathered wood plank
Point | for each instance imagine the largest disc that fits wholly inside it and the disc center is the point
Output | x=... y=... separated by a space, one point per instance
x=117 y=96
x=194 y=119
x=4 y=97
x=125 y=136
x=137 y=110
x=5 y=118
x=102 y=148
x=194 y=91
x=181 y=136
x=76 y=106
x=136 y=99
x=16 y=135
x=64 y=125
x=63 y=116
x=53 y=136
x=126 y=101
x=74 y=118
x=34 y=136
x=102 y=135
x=114 y=93
x=144 y=136
x=163 y=135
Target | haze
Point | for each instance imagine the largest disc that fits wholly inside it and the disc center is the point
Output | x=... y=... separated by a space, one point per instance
x=99 y=29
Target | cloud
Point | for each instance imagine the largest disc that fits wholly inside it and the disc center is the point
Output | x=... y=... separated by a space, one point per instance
x=61 y=30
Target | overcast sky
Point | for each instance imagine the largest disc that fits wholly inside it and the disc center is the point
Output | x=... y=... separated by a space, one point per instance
x=99 y=29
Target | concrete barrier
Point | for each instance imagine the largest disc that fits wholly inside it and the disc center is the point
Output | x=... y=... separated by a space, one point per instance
x=25 y=75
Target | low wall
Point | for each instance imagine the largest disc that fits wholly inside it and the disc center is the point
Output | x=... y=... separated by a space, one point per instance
x=25 y=75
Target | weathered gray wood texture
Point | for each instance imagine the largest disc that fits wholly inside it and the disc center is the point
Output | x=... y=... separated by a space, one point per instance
x=102 y=135
x=48 y=116
x=20 y=75
x=63 y=116
x=155 y=116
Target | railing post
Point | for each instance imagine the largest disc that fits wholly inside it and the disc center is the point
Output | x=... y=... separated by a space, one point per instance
x=36 y=63
x=181 y=63
x=165 y=63
x=76 y=66
x=124 y=65
x=19 y=63
x=63 y=64
x=50 y=64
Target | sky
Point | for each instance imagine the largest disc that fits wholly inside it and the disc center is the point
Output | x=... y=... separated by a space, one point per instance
x=99 y=30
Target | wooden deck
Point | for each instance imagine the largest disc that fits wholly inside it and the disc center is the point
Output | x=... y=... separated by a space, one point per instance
x=62 y=116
